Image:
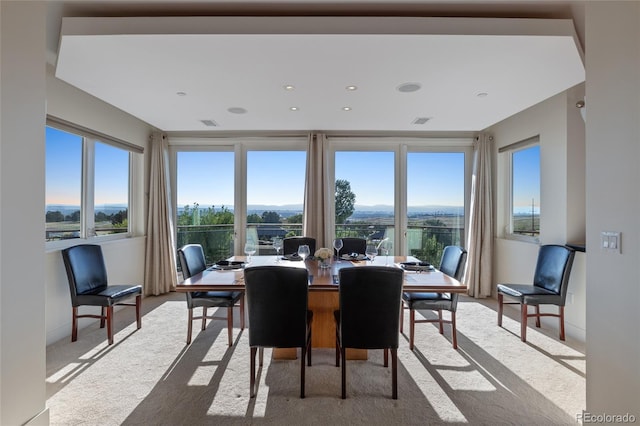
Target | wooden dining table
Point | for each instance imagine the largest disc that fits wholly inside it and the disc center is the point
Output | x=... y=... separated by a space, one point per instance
x=323 y=288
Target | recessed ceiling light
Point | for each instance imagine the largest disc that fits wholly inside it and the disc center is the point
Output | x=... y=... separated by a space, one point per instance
x=237 y=110
x=409 y=87
x=482 y=95
x=181 y=93
x=346 y=108
x=294 y=109
x=351 y=88
x=289 y=87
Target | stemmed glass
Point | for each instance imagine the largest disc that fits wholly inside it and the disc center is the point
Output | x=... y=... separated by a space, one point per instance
x=249 y=250
x=337 y=244
x=371 y=252
x=386 y=248
x=277 y=244
x=303 y=251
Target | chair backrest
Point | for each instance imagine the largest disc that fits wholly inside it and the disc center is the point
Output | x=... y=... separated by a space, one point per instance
x=452 y=261
x=86 y=270
x=192 y=260
x=370 y=306
x=290 y=244
x=353 y=245
x=553 y=268
x=277 y=303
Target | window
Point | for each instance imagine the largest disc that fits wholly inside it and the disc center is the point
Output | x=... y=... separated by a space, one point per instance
x=87 y=183
x=525 y=189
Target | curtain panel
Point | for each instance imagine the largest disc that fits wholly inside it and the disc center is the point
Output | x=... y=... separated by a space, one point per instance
x=160 y=259
x=478 y=270
x=316 y=214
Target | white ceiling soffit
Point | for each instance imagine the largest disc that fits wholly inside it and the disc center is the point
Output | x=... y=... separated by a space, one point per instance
x=178 y=73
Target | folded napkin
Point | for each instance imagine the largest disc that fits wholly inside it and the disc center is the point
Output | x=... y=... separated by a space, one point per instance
x=293 y=257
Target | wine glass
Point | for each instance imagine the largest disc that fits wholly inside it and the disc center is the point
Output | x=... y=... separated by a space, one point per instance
x=386 y=247
x=303 y=251
x=249 y=250
x=371 y=252
x=277 y=244
x=337 y=244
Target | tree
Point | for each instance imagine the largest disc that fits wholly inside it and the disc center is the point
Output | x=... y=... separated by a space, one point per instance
x=296 y=218
x=254 y=218
x=54 y=216
x=270 y=217
x=345 y=200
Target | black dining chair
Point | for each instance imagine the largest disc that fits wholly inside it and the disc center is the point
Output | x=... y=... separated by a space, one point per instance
x=352 y=245
x=277 y=298
x=369 y=315
x=87 y=276
x=550 y=283
x=192 y=262
x=452 y=264
x=290 y=244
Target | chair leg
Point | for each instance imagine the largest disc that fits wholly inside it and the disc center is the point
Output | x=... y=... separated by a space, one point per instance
x=454 y=334
x=538 y=316
x=561 y=322
x=500 y=301
x=412 y=327
x=110 y=324
x=190 y=326
x=401 y=316
x=252 y=372
x=524 y=308
x=303 y=355
x=103 y=315
x=204 y=318
x=242 y=313
x=343 y=352
x=230 y=324
x=138 y=311
x=394 y=373
x=261 y=355
x=309 y=340
x=440 y=324
x=386 y=357
x=74 y=323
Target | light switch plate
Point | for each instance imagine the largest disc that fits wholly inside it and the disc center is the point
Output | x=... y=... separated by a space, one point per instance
x=610 y=241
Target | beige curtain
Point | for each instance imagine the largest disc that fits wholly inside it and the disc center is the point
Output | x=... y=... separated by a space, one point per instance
x=160 y=261
x=478 y=270
x=316 y=215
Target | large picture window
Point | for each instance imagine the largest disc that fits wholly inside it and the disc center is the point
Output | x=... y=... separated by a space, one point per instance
x=88 y=184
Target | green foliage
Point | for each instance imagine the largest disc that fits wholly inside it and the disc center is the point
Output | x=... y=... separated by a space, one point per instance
x=345 y=200
x=54 y=217
x=270 y=217
x=296 y=218
x=73 y=217
x=210 y=228
x=434 y=222
x=254 y=218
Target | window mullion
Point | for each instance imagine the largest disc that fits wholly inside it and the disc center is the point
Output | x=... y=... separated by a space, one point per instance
x=88 y=183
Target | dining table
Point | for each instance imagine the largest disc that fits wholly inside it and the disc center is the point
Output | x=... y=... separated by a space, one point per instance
x=323 y=286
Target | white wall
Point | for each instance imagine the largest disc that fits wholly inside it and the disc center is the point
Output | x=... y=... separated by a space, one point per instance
x=124 y=258
x=613 y=204
x=22 y=275
x=561 y=131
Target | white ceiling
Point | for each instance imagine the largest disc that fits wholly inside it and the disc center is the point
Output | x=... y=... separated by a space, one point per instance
x=141 y=64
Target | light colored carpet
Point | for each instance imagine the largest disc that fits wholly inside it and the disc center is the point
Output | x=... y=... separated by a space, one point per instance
x=150 y=376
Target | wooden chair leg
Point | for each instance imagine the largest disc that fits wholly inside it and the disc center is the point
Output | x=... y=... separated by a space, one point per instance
x=500 y=301
x=394 y=373
x=189 y=326
x=523 y=321
x=261 y=355
x=138 y=311
x=110 y=324
x=386 y=357
x=343 y=353
x=74 y=323
x=412 y=327
x=303 y=355
x=103 y=315
x=309 y=340
x=242 y=313
x=454 y=334
x=204 y=318
x=538 y=316
x=252 y=372
x=401 y=316
x=561 y=322
x=440 y=324
x=230 y=324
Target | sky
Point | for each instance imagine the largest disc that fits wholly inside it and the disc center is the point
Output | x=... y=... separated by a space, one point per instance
x=526 y=179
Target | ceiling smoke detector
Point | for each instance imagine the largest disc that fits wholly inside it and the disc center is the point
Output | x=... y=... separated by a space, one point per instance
x=409 y=87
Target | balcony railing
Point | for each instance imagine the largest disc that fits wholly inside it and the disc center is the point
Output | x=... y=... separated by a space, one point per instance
x=423 y=242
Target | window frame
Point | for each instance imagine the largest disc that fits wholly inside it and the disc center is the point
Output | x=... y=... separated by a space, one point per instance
x=87 y=202
x=509 y=151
